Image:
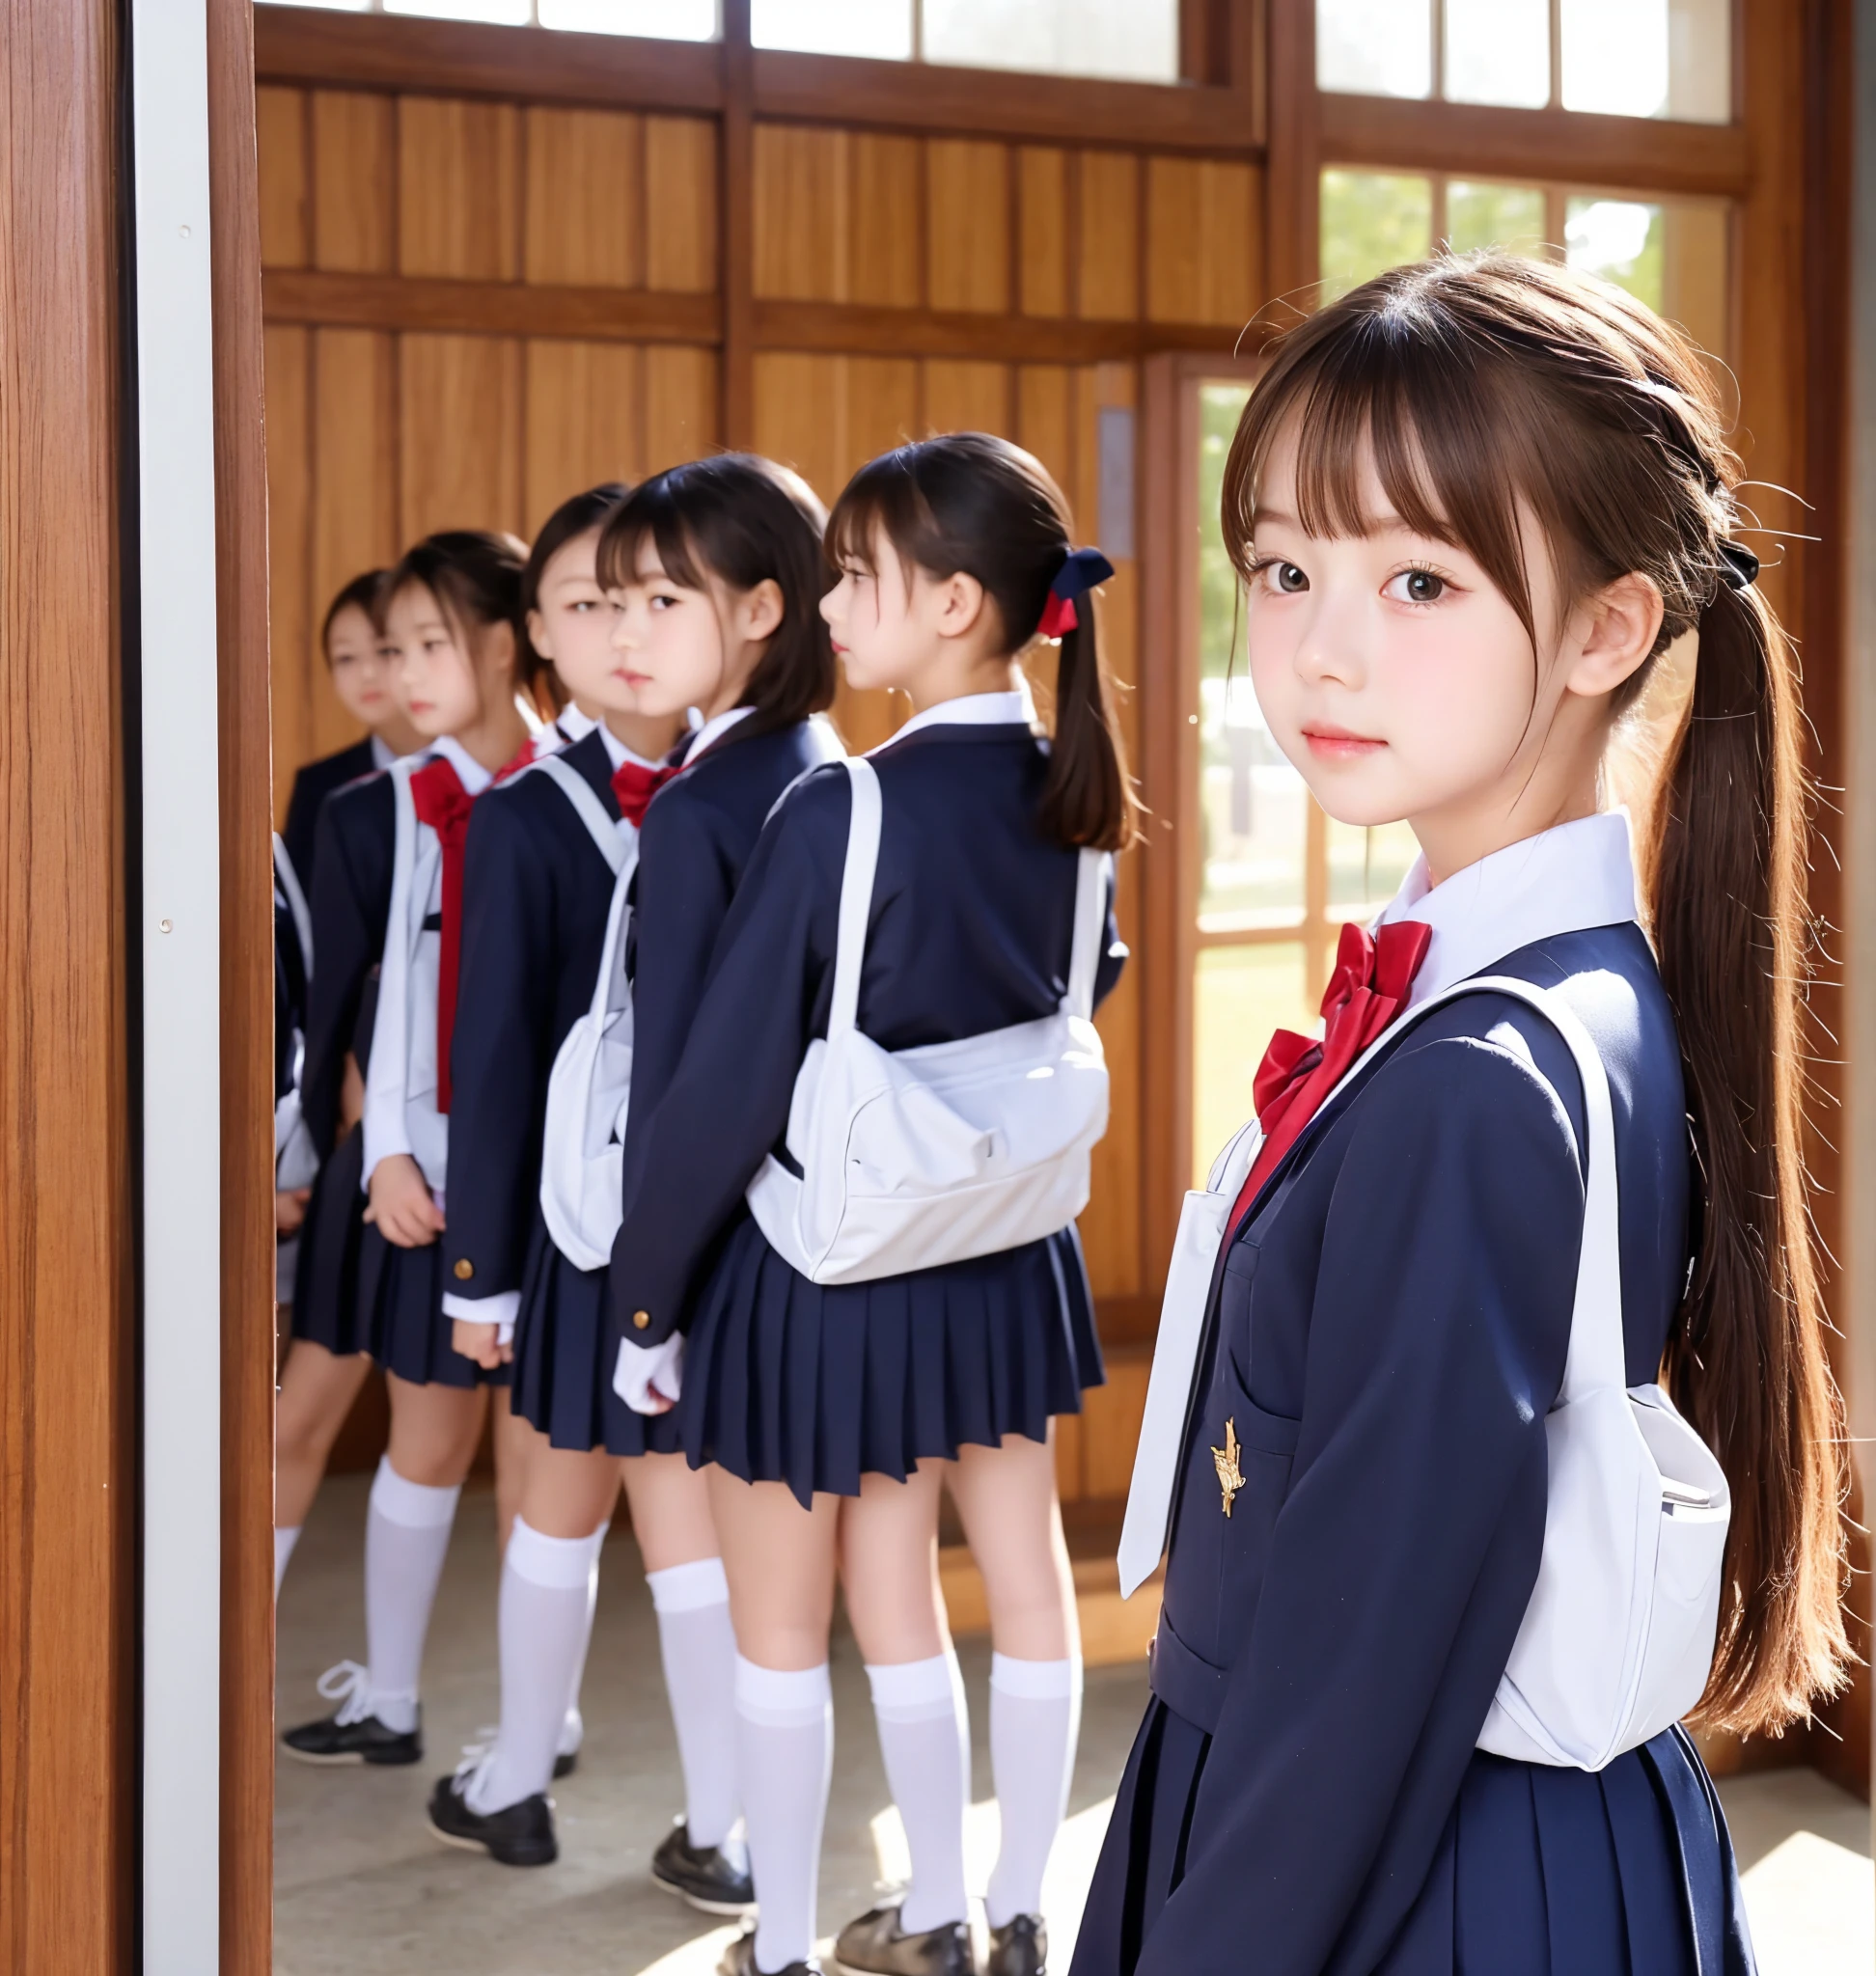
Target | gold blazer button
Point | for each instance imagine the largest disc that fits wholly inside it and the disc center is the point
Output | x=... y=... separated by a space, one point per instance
x=641 y=1320
x=464 y=1270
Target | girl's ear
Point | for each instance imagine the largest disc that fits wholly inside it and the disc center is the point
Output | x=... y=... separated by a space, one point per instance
x=958 y=601
x=1619 y=628
x=760 y=612
x=538 y=634
x=499 y=651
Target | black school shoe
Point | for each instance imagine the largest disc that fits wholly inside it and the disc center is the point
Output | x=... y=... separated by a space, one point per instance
x=739 y=1959
x=1019 y=1948
x=518 y=1835
x=350 y=1735
x=875 y=1946
x=713 y=1880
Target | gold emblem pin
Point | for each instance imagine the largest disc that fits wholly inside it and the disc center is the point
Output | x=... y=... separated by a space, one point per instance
x=1230 y=1477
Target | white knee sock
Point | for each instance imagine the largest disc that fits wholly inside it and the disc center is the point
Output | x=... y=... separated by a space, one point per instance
x=407 y=1536
x=573 y=1731
x=1035 y=1720
x=548 y=1586
x=924 y=1738
x=784 y=1749
x=284 y=1542
x=699 y=1669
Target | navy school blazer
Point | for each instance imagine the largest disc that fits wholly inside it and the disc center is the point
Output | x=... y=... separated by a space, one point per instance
x=1386 y=1333
x=349 y=903
x=971 y=928
x=536 y=895
x=313 y=783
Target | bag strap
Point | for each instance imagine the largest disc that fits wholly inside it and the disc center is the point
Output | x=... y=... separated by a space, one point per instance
x=1090 y=915
x=587 y=806
x=288 y=880
x=1598 y=1353
x=856 y=894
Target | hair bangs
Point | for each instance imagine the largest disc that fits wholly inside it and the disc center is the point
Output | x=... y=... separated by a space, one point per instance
x=647 y=515
x=884 y=498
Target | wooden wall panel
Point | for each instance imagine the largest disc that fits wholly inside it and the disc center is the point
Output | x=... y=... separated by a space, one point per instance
x=458 y=188
x=1205 y=246
x=681 y=226
x=584 y=421
x=681 y=404
x=1042 y=258
x=354 y=147
x=801 y=212
x=459 y=433
x=284 y=141
x=291 y=482
x=1107 y=230
x=968 y=224
x=585 y=202
x=888 y=240
x=966 y=397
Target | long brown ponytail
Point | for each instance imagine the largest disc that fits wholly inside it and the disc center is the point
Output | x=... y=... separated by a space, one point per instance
x=1483 y=385
x=971 y=502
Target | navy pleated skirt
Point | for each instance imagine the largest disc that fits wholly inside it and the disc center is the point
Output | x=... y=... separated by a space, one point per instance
x=326 y=1279
x=817 y=1385
x=400 y=1302
x=563 y=1363
x=1540 y=1871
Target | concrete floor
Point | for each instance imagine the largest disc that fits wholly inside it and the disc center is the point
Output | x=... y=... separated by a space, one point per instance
x=362 y=1888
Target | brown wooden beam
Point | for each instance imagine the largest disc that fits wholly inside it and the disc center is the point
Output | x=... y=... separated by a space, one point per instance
x=460 y=58
x=399 y=302
x=389 y=301
x=67 y=1368
x=737 y=229
x=543 y=65
x=1476 y=140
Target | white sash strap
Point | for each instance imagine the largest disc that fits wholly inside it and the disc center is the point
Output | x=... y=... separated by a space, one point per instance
x=1090 y=916
x=1596 y=1352
x=606 y=833
x=288 y=879
x=856 y=896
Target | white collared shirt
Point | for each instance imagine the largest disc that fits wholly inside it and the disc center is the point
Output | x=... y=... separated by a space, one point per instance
x=383 y=754
x=1565 y=880
x=574 y=724
x=470 y=773
x=710 y=732
x=1012 y=709
x=618 y=754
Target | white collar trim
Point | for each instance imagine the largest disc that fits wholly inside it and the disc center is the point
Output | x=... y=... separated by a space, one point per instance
x=712 y=731
x=617 y=752
x=574 y=724
x=470 y=773
x=1012 y=709
x=1567 y=880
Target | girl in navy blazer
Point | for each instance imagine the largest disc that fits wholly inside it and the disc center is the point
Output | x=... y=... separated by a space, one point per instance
x=835 y=1413
x=736 y=631
x=325 y=1363
x=1473 y=503
x=462 y=664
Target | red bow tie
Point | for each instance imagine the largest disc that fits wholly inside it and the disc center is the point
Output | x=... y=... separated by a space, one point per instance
x=633 y=786
x=1366 y=991
x=444 y=804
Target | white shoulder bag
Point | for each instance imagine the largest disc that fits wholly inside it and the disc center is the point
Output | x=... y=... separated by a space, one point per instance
x=591 y=1085
x=1617 y=1640
x=915 y=1158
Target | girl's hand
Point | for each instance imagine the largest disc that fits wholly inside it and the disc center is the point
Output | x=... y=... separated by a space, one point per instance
x=648 y=1377
x=290 y=1208
x=403 y=1209
x=481 y=1342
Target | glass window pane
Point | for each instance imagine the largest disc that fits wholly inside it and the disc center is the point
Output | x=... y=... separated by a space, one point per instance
x=504 y=13
x=1371 y=221
x=1673 y=256
x=1137 y=40
x=1375 y=47
x=1498 y=51
x=880 y=28
x=333 y=6
x=1240 y=995
x=1252 y=807
x=666 y=20
x=1650 y=57
x=1365 y=866
x=1483 y=214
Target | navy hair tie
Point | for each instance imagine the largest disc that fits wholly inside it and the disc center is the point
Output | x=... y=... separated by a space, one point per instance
x=1081 y=569
x=1739 y=567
